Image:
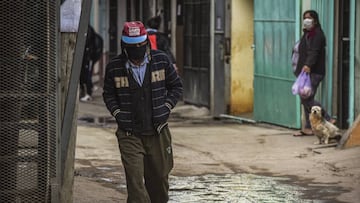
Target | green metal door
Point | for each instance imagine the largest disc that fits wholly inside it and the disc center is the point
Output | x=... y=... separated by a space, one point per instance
x=276 y=28
x=326 y=9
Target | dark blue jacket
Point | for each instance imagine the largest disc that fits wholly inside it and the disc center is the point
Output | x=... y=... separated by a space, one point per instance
x=166 y=88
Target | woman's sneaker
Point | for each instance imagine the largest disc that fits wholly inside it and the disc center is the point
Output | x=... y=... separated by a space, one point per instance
x=86 y=98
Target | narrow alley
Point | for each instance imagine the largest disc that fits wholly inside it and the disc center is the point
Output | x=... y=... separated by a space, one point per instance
x=218 y=161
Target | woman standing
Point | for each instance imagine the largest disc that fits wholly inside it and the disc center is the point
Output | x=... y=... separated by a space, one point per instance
x=312 y=60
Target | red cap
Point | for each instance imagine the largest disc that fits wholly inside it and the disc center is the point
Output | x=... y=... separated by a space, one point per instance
x=134 y=32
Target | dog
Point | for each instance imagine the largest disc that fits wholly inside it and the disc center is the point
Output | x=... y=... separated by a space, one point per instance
x=323 y=129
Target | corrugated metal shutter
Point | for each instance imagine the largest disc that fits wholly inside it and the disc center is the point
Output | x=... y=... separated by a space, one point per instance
x=197 y=52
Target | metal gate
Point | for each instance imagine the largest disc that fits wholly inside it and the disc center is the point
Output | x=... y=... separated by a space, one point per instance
x=197 y=52
x=275 y=26
x=326 y=11
x=28 y=95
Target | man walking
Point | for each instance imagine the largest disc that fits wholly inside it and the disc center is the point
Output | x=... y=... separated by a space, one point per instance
x=140 y=89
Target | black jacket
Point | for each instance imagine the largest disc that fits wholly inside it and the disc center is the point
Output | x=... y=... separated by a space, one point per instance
x=165 y=84
x=312 y=51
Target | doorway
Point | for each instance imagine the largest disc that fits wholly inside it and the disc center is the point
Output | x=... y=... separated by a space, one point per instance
x=343 y=64
x=196 y=53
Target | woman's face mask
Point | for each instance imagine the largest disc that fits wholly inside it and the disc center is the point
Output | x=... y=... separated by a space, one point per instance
x=308 y=23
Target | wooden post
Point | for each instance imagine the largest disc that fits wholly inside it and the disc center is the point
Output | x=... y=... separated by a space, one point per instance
x=351 y=137
x=68 y=41
x=73 y=45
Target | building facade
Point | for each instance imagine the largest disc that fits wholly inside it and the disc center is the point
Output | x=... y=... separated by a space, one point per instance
x=234 y=55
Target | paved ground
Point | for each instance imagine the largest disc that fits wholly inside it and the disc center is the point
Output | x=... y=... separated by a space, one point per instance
x=206 y=146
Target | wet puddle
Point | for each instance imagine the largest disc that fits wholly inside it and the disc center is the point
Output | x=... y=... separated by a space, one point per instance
x=228 y=188
x=246 y=188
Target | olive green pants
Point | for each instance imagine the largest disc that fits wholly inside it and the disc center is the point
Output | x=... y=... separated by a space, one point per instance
x=147 y=160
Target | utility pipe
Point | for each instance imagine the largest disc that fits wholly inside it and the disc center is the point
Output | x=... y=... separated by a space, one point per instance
x=352 y=63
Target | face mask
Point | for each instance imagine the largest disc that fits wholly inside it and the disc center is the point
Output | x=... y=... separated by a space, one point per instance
x=136 y=53
x=308 y=23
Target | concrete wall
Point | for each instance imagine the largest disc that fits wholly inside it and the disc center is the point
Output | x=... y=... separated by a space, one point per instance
x=242 y=57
